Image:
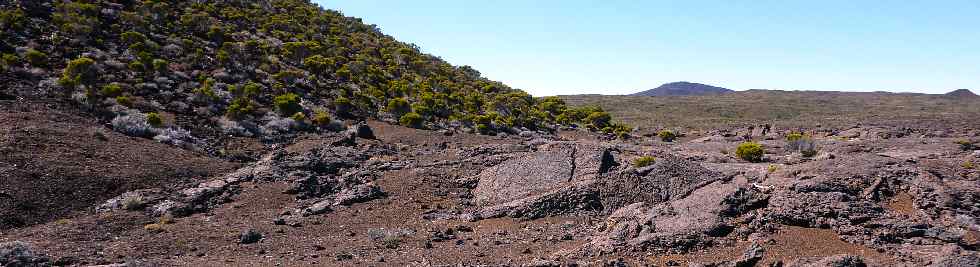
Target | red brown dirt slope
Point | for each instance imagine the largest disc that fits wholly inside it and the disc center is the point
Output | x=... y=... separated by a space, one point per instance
x=55 y=162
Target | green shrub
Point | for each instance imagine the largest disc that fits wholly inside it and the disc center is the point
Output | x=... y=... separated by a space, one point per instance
x=411 y=119
x=398 y=106
x=750 y=151
x=251 y=89
x=287 y=104
x=966 y=145
x=10 y=60
x=598 y=119
x=154 y=119
x=36 y=58
x=75 y=18
x=129 y=38
x=794 y=136
x=78 y=72
x=317 y=64
x=111 y=90
x=205 y=91
x=968 y=164
x=160 y=65
x=321 y=118
x=298 y=117
x=136 y=66
x=666 y=136
x=12 y=19
x=621 y=130
x=801 y=143
x=240 y=106
x=644 y=161
x=342 y=106
x=124 y=100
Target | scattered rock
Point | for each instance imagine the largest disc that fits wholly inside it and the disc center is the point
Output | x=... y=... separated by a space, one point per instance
x=249 y=236
x=18 y=253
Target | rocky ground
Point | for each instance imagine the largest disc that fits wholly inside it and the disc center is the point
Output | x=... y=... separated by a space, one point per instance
x=75 y=193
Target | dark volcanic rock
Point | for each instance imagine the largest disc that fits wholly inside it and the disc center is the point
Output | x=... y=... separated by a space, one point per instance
x=20 y=254
x=250 y=236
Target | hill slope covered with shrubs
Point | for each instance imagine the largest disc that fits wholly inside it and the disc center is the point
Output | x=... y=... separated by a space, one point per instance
x=250 y=68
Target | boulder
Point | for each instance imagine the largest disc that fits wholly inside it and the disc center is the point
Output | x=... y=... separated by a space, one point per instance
x=674 y=226
x=18 y=253
x=553 y=172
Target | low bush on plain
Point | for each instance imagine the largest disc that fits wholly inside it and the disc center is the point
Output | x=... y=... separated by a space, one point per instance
x=750 y=151
x=667 y=136
x=644 y=161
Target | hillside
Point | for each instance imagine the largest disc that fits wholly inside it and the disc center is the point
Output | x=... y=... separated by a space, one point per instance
x=254 y=68
x=961 y=93
x=782 y=108
x=684 y=88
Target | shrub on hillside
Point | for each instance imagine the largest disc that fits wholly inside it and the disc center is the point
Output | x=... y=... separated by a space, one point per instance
x=12 y=19
x=9 y=60
x=411 y=119
x=111 y=90
x=124 y=101
x=36 y=58
x=750 y=151
x=287 y=104
x=666 y=136
x=644 y=161
x=342 y=106
x=79 y=72
x=318 y=64
x=299 y=117
x=239 y=107
x=160 y=65
x=398 y=106
x=154 y=119
x=598 y=119
x=321 y=118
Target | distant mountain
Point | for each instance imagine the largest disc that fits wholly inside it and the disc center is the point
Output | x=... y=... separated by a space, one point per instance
x=684 y=88
x=961 y=93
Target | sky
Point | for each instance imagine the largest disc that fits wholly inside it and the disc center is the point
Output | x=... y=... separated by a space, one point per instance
x=550 y=47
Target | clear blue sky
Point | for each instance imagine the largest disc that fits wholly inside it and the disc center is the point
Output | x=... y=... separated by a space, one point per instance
x=620 y=47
